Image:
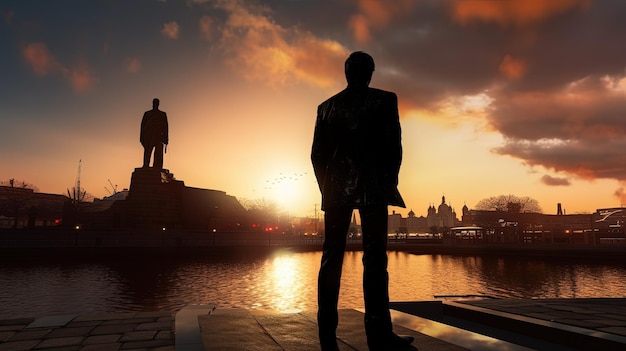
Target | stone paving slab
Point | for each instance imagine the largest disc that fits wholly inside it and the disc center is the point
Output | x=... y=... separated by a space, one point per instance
x=581 y=323
x=592 y=313
x=236 y=329
x=222 y=331
x=97 y=332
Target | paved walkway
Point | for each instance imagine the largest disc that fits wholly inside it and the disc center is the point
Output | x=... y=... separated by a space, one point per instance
x=89 y=332
x=602 y=315
x=542 y=324
x=489 y=324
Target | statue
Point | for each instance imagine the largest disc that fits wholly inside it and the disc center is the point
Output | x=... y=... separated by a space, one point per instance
x=356 y=157
x=154 y=135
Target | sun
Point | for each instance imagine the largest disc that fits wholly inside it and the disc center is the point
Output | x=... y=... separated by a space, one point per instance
x=285 y=190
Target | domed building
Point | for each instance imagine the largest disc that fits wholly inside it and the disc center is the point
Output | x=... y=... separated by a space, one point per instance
x=443 y=216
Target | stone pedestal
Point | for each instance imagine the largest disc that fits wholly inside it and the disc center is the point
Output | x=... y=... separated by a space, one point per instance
x=154 y=199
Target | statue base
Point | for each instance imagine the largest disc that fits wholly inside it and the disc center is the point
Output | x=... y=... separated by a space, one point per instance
x=158 y=201
x=154 y=199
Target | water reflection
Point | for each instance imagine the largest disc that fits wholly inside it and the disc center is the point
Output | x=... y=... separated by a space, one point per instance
x=282 y=281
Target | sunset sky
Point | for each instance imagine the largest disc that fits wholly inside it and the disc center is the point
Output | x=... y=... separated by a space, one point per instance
x=503 y=97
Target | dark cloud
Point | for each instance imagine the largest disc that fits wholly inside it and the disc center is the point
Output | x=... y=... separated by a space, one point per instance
x=555 y=76
x=554 y=181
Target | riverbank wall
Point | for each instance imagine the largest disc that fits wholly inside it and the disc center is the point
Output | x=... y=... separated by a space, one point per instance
x=73 y=242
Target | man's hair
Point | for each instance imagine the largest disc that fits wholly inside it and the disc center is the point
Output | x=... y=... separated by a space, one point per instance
x=359 y=67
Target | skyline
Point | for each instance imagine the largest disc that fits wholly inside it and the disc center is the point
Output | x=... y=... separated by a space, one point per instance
x=511 y=97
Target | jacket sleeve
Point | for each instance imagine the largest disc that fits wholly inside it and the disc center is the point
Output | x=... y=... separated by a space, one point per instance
x=166 y=138
x=143 y=126
x=319 y=151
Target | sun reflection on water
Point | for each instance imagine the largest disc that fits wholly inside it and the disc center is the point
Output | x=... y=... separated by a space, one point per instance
x=286 y=281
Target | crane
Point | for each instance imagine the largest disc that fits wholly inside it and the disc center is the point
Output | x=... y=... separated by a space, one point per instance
x=77 y=195
x=80 y=161
x=113 y=189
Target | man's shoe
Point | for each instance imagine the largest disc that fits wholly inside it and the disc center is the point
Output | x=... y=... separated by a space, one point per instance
x=329 y=343
x=390 y=343
x=329 y=347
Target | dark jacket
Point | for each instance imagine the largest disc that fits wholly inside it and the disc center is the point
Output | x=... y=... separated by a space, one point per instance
x=154 y=128
x=357 y=149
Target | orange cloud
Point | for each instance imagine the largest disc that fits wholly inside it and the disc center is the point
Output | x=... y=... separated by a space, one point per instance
x=259 y=49
x=133 y=65
x=374 y=14
x=43 y=62
x=170 y=30
x=81 y=78
x=40 y=59
x=512 y=68
x=360 y=28
x=512 y=12
x=205 y=27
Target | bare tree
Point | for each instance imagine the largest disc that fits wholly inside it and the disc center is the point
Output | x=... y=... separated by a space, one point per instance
x=18 y=184
x=261 y=211
x=509 y=203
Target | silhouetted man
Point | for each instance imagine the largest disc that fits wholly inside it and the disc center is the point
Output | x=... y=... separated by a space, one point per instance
x=154 y=135
x=356 y=156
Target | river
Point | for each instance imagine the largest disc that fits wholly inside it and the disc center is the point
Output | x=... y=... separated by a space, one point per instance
x=282 y=281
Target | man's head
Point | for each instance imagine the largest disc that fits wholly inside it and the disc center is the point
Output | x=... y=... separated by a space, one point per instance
x=155 y=103
x=359 y=68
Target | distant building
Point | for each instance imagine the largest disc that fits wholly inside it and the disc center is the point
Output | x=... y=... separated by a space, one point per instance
x=25 y=208
x=394 y=223
x=439 y=219
x=605 y=226
x=416 y=224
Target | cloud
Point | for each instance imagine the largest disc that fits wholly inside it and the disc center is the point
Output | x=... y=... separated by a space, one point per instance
x=512 y=12
x=554 y=181
x=549 y=76
x=206 y=27
x=41 y=60
x=620 y=193
x=81 y=78
x=133 y=65
x=512 y=68
x=170 y=30
x=43 y=63
x=259 y=49
x=579 y=129
x=376 y=15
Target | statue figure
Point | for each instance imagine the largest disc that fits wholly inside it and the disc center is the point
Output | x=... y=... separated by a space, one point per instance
x=356 y=156
x=154 y=135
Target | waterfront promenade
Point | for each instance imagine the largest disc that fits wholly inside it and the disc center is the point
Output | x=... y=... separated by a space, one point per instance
x=443 y=325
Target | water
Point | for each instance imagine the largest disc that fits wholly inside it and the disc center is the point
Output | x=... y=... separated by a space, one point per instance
x=282 y=281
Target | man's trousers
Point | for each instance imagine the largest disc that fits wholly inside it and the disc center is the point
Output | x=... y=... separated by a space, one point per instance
x=158 y=155
x=375 y=276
